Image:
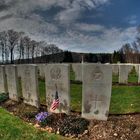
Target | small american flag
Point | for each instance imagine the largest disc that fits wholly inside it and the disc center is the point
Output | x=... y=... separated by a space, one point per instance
x=55 y=103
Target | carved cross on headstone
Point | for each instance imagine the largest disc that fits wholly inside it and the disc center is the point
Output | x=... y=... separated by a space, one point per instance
x=96 y=99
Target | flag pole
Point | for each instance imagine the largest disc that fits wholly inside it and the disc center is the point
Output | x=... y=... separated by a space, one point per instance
x=60 y=114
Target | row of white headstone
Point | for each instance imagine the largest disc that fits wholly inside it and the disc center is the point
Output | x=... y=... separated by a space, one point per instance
x=57 y=75
x=122 y=70
x=96 y=89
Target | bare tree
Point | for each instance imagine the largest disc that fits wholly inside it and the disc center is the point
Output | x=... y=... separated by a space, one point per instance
x=13 y=38
x=15 y=44
x=127 y=51
x=51 y=49
x=20 y=46
x=38 y=49
x=3 y=42
x=33 y=48
x=27 y=44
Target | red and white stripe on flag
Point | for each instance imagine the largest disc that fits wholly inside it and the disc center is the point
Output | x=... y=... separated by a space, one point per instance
x=54 y=105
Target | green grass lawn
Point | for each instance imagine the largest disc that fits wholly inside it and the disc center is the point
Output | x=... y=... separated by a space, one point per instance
x=76 y=97
x=132 y=77
x=13 y=128
x=42 y=91
x=124 y=99
x=115 y=78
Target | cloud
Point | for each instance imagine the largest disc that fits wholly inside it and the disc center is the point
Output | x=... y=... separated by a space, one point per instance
x=18 y=12
x=72 y=9
x=89 y=27
x=108 y=40
x=21 y=14
x=76 y=8
x=30 y=26
x=63 y=28
x=132 y=20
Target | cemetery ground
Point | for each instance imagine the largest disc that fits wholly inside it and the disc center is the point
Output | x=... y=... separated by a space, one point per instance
x=123 y=122
x=13 y=128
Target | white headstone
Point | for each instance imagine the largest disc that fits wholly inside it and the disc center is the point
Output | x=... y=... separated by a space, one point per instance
x=115 y=69
x=138 y=73
x=131 y=66
x=57 y=80
x=12 y=82
x=124 y=71
x=3 y=86
x=20 y=69
x=96 y=94
x=29 y=82
x=77 y=68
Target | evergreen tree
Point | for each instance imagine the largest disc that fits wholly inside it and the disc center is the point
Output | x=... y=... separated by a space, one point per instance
x=67 y=57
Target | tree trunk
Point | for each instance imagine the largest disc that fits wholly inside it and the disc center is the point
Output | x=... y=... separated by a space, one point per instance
x=11 y=51
x=2 y=53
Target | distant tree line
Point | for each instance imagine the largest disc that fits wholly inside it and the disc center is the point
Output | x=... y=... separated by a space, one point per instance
x=98 y=57
x=129 y=52
x=18 y=46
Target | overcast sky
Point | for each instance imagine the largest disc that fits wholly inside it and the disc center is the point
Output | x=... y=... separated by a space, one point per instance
x=76 y=25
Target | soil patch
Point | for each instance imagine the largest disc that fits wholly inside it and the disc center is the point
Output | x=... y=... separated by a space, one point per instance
x=120 y=127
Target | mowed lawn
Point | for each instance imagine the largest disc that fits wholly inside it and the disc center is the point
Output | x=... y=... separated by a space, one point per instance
x=13 y=128
x=124 y=99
